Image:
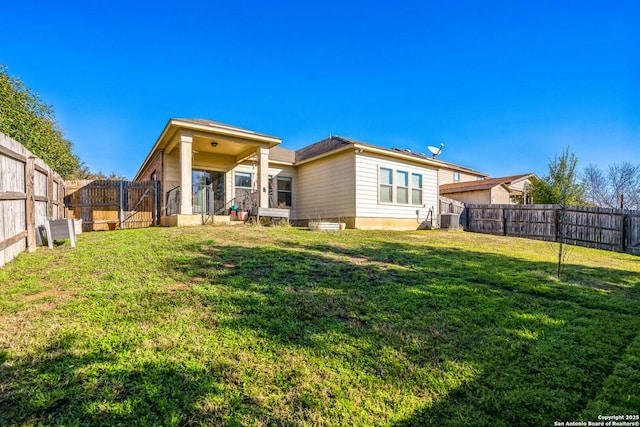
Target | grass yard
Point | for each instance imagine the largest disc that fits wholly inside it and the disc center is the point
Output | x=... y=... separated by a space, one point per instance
x=283 y=326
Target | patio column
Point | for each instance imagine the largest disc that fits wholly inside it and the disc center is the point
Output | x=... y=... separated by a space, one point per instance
x=186 y=153
x=263 y=177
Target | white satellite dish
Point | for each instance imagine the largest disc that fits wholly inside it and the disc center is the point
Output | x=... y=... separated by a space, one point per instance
x=435 y=150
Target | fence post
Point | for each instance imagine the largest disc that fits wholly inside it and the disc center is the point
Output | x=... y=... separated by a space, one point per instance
x=625 y=229
x=156 y=202
x=120 y=203
x=50 y=193
x=30 y=171
x=464 y=221
x=504 y=221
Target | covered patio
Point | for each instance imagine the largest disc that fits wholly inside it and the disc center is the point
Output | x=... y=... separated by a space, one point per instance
x=208 y=170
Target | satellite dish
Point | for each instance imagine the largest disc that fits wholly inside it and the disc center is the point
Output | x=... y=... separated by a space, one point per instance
x=435 y=150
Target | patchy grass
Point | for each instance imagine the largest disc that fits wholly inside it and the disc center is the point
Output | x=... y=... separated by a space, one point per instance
x=282 y=326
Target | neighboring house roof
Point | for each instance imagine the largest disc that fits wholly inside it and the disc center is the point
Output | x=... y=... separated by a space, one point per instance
x=483 y=184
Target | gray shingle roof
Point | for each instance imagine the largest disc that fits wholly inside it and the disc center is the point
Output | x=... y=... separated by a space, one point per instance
x=321 y=147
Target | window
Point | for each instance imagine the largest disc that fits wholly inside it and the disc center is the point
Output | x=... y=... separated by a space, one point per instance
x=405 y=190
x=284 y=191
x=456 y=177
x=154 y=176
x=243 y=179
x=386 y=185
x=416 y=189
x=402 y=187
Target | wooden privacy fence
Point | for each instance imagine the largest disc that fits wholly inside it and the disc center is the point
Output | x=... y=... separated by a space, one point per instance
x=602 y=228
x=30 y=193
x=448 y=206
x=111 y=205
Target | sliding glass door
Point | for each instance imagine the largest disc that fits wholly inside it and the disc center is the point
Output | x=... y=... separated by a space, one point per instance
x=208 y=192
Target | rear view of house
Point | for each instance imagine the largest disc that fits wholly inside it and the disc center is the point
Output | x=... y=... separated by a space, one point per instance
x=210 y=169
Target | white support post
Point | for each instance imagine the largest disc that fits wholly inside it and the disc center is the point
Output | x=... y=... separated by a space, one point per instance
x=263 y=176
x=186 y=166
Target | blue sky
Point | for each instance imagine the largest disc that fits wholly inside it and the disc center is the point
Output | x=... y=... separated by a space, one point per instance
x=505 y=85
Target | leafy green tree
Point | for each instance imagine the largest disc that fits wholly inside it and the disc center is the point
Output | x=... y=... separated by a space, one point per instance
x=25 y=118
x=85 y=173
x=562 y=185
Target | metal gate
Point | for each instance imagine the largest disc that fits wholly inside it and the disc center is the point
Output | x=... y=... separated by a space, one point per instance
x=111 y=205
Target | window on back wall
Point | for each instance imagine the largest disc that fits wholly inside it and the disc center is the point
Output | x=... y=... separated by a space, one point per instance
x=406 y=189
x=244 y=196
x=243 y=179
x=402 y=187
x=416 y=189
x=284 y=186
x=386 y=185
x=456 y=177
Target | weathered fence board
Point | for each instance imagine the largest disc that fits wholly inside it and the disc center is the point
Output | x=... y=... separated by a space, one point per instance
x=110 y=204
x=602 y=228
x=632 y=234
x=450 y=206
x=29 y=196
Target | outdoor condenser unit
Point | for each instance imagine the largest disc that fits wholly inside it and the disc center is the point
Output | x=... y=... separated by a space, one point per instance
x=450 y=221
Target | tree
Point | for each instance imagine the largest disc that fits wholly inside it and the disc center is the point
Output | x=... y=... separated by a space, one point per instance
x=561 y=186
x=25 y=118
x=618 y=188
x=85 y=173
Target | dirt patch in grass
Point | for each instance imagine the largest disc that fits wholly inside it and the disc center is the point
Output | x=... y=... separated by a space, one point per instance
x=51 y=293
x=183 y=286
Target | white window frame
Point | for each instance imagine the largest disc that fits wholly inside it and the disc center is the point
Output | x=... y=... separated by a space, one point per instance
x=235 y=179
x=389 y=185
x=278 y=191
x=394 y=186
x=420 y=189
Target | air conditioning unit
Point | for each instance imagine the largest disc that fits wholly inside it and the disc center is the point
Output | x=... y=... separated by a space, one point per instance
x=450 y=221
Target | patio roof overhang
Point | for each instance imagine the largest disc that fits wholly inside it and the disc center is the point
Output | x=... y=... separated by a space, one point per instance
x=210 y=137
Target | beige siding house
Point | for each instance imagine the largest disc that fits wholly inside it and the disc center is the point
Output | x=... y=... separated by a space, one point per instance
x=210 y=170
x=451 y=174
x=503 y=190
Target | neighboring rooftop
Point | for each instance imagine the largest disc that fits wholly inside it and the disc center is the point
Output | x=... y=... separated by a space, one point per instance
x=483 y=184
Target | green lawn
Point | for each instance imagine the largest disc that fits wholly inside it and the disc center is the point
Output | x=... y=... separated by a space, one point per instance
x=283 y=326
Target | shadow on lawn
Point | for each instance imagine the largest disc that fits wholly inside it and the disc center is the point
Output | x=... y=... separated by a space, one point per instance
x=60 y=387
x=539 y=349
x=477 y=338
